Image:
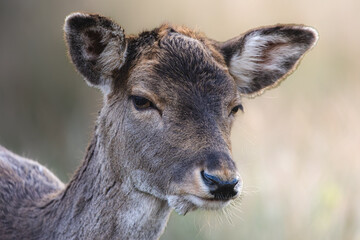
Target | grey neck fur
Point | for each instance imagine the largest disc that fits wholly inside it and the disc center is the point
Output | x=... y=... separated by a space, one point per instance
x=98 y=205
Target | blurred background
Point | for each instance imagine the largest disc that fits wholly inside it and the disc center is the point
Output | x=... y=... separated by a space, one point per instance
x=297 y=146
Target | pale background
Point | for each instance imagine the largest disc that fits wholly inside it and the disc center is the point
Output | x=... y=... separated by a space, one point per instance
x=297 y=146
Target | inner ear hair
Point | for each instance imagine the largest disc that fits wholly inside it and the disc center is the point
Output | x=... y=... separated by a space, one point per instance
x=261 y=58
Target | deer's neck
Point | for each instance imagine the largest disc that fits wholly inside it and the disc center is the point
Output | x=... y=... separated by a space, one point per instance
x=97 y=204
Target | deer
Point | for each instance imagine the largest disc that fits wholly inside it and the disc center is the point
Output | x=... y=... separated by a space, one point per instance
x=162 y=137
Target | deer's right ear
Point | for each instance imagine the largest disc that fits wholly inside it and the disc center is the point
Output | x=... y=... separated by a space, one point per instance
x=97 y=47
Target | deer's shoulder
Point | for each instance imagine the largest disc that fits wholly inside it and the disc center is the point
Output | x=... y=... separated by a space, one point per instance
x=28 y=179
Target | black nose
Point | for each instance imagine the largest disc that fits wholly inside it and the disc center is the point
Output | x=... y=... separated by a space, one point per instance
x=222 y=190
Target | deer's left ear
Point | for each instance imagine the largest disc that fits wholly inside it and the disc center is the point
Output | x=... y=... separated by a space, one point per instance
x=261 y=58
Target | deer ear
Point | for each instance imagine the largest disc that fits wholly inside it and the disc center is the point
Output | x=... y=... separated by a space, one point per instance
x=261 y=58
x=97 y=47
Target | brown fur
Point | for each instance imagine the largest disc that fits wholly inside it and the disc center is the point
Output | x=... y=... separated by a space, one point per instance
x=145 y=161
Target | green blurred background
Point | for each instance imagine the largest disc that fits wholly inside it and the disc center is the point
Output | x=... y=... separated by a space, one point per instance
x=297 y=146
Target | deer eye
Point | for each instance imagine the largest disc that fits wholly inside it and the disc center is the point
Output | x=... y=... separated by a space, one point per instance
x=236 y=109
x=141 y=103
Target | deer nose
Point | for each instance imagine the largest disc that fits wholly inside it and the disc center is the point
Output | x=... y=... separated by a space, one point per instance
x=222 y=190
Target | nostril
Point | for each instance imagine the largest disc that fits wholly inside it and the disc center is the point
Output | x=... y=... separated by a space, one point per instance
x=210 y=180
x=213 y=180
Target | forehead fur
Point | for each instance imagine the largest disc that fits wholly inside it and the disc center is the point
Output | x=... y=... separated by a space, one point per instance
x=177 y=56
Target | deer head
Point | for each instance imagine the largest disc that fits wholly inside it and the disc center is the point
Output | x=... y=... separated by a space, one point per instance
x=170 y=98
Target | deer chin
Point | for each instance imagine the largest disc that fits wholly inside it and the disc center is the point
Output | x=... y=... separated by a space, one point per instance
x=183 y=204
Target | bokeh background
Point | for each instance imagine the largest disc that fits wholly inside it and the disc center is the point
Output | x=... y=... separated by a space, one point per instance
x=297 y=146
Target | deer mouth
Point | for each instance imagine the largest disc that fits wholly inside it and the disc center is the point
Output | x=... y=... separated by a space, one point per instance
x=185 y=203
x=208 y=203
x=213 y=199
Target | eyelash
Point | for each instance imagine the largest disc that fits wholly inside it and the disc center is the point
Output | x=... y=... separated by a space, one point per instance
x=141 y=103
x=235 y=109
